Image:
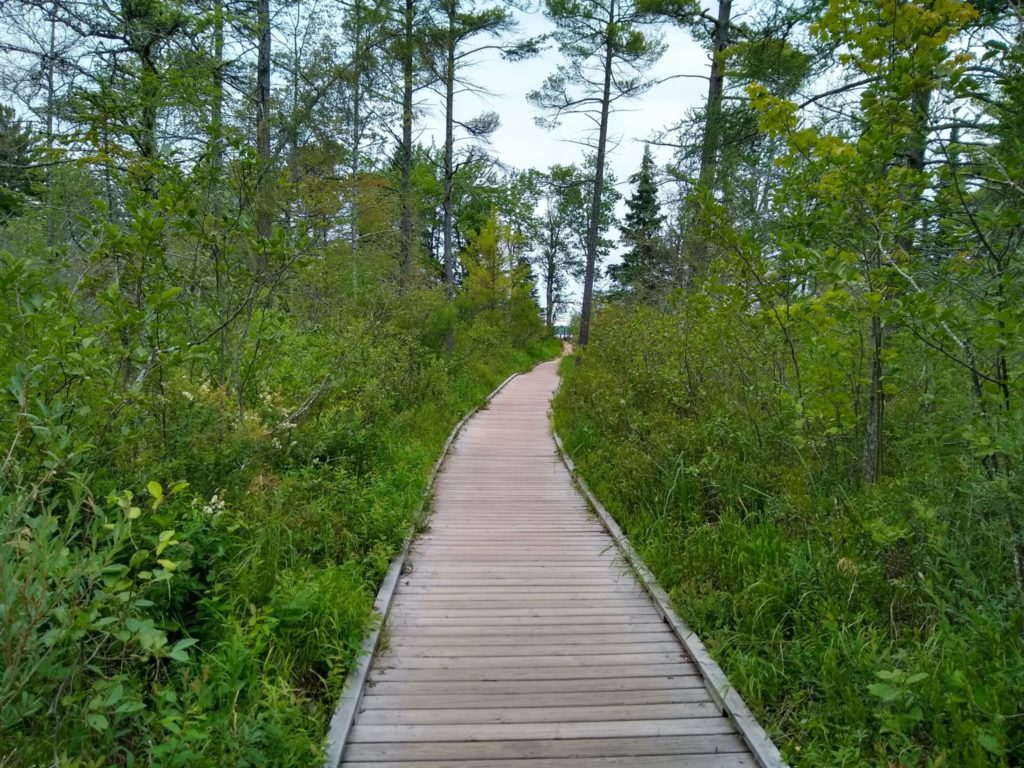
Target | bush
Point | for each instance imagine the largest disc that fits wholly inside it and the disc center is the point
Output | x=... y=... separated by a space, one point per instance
x=210 y=622
x=864 y=624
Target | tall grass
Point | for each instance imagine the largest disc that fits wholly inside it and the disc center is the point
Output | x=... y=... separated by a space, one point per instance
x=212 y=622
x=865 y=625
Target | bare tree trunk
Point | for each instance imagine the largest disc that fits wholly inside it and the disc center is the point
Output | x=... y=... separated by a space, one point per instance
x=51 y=236
x=549 y=291
x=217 y=162
x=217 y=116
x=873 y=442
x=264 y=221
x=405 y=226
x=449 y=168
x=293 y=119
x=716 y=89
x=594 y=225
x=149 y=95
x=711 y=138
x=357 y=137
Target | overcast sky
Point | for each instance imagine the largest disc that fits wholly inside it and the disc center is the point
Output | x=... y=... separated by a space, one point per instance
x=521 y=143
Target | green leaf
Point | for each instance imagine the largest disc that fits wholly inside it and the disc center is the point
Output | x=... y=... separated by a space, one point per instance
x=990 y=743
x=178 y=652
x=884 y=691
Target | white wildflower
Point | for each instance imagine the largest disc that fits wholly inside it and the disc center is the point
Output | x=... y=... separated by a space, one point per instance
x=214 y=506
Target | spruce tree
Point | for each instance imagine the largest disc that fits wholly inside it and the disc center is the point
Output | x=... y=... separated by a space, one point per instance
x=644 y=266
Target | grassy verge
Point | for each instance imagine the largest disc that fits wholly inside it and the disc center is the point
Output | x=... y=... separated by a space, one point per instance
x=864 y=625
x=212 y=622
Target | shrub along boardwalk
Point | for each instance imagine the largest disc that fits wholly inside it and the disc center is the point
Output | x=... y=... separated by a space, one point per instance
x=518 y=637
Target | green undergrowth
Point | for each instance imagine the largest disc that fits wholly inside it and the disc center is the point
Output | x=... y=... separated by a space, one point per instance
x=186 y=582
x=865 y=625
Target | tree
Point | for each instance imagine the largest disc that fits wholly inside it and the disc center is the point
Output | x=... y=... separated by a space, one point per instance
x=20 y=179
x=498 y=286
x=563 y=208
x=264 y=35
x=362 y=107
x=405 y=48
x=644 y=269
x=561 y=243
x=606 y=53
x=461 y=22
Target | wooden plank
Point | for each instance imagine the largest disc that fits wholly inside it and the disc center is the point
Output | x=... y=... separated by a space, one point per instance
x=499 y=661
x=450 y=752
x=465 y=649
x=530 y=581
x=536 y=673
x=643 y=761
x=481 y=591
x=627 y=603
x=561 y=713
x=373 y=700
x=596 y=685
x=605 y=729
x=535 y=641
x=633 y=614
x=596 y=620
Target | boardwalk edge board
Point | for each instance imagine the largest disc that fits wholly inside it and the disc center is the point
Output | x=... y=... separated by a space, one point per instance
x=718 y=685
x=355 y=683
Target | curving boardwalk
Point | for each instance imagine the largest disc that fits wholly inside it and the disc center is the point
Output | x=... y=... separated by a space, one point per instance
x=518 y=638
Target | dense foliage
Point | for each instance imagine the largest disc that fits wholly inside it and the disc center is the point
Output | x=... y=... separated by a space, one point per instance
x=228 y=363
x=241 y=307
x=188 y=571
x=810 y=422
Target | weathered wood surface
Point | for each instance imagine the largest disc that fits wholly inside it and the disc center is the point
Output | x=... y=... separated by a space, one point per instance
x=519 y=637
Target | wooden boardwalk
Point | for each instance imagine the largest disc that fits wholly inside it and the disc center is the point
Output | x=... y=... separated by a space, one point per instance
x=518 y=637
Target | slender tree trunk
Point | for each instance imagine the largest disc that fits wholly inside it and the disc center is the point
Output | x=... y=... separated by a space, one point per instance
x=549 y=291
x=217 y=116
x=716 y=89
x=293 y=120
x=264 y=211
x=217 y=163
x=594 y=225
x=1002 y=369
x=149 y=96
x=405 y=225
x=449 y=168
x=873 y=427
x=711 y=139
x=353 y=191
x=51 y=236
x=357 y=136
x=914 y=158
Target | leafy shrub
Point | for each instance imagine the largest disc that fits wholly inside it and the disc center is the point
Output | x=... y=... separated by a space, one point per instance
x=865 y=624
x=213 y=622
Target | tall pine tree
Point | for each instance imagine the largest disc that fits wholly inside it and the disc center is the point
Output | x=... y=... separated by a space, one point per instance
x=645 y=267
